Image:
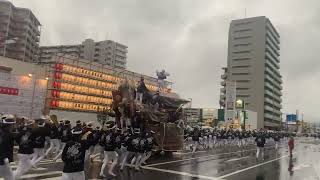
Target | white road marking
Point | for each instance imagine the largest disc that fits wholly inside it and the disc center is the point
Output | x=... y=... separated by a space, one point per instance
x=182 y=153
x=237 y=159
x=46 y=161
x=181 y=173
x=54 y=178
x=251 y=167
x=316 y=171
x=38 y=169
x=301 y=166
x=42 y=174
x=212 y=155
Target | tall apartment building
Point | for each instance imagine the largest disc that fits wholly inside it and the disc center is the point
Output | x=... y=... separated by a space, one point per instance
x=105 y=52
x=253 y=63
x=22 y=25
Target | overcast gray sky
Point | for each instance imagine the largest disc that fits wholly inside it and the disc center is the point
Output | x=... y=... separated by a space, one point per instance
x=188 y=38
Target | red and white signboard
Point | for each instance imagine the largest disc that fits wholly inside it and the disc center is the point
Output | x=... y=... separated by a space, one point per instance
x=9 y=91
x=21 y=95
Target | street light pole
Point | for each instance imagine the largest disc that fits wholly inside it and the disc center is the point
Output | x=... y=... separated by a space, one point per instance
x=244 y=115
x=244 y=119
x=190 y=102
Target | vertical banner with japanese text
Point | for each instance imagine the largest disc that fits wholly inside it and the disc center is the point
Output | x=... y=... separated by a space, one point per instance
x=230 y=110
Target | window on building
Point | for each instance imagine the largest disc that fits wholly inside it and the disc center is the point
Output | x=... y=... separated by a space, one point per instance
x=241 y=59
x=243 y=66
x=240 y=74
x=242 y=37
x=243 y=23
x=242 y=45
x=242 y=88
x=243 y=95
x=243 y=81
x=5 y=69
x=241 y=52
x=242 y=30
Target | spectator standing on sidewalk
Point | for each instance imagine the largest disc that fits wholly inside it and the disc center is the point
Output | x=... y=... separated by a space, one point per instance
x=291 y=145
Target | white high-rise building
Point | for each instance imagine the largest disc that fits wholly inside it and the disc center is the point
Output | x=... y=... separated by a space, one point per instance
x=253 y=63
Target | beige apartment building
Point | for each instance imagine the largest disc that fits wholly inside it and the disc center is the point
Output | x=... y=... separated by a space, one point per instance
x=106 y=52
x=21 y=25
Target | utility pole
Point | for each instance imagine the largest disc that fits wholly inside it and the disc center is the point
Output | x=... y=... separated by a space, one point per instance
x=190 y=104
x=245 y=12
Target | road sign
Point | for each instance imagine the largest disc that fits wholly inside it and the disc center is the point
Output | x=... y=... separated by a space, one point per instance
x=291 y=118
x=221 y=114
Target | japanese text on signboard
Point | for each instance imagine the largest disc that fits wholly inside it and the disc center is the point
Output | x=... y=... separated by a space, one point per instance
x=9 y=91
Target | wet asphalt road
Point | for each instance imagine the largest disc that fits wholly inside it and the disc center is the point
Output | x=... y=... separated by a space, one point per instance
x=227 y=163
